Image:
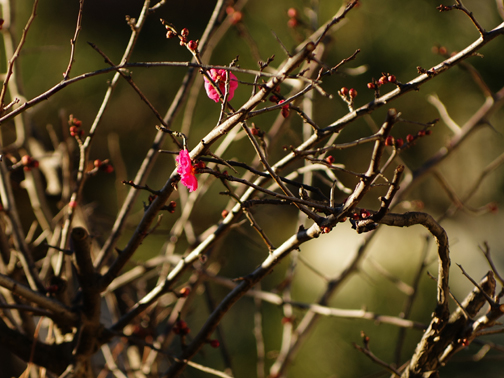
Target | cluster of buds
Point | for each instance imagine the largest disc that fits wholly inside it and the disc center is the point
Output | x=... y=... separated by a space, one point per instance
x=293 y=18
x=384 y=79
x=420 y=134
x=75 y=125
x=410 y=139
x=184 y=33
x=28 y=162
x=103 y=165
x=181 y=328
x=348 y=95
x=444 y=8
x=391 y=141
x=441 y=50
x=170 y=207
x=362 y=214
x=234 y=15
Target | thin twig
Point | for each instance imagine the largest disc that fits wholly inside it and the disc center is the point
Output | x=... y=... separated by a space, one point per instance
x=13 y=58
x=74 y=40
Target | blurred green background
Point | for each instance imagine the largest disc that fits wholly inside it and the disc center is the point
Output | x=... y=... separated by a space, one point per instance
x=394 y=36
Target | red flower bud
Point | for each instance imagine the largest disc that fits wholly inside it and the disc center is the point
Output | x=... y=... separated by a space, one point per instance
x=352 y=93
x=184 y=292
x=107 y=168
x=329 y=159
x=292 y=12
x=184 y=32
x=224 y=213
x=391 y=79
x=171 y=207
x=371 y=85
x=292 y=23
x=285 y=109
x=26 y=159
x=200 y=165
x=343 y=91
x=382 y=80
x=214 y=343
x=410 y=138
x=399 y=142
x=389 y=141
x=181 y=324
x=72 y=121
x=365 y=214
x=74 y=130
x=236 y=17
x=192 y=45
x=286 y=319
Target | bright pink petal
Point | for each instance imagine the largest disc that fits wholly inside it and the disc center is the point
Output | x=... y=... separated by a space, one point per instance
x=219 y=77
x=190 y=181
x=186 y=170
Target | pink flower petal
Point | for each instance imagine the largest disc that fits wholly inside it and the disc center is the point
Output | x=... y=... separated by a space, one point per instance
x=186 y=170
x=219 y=77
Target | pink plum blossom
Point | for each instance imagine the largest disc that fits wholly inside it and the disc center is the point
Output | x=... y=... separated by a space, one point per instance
x=186 y=170
x=219 y=77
